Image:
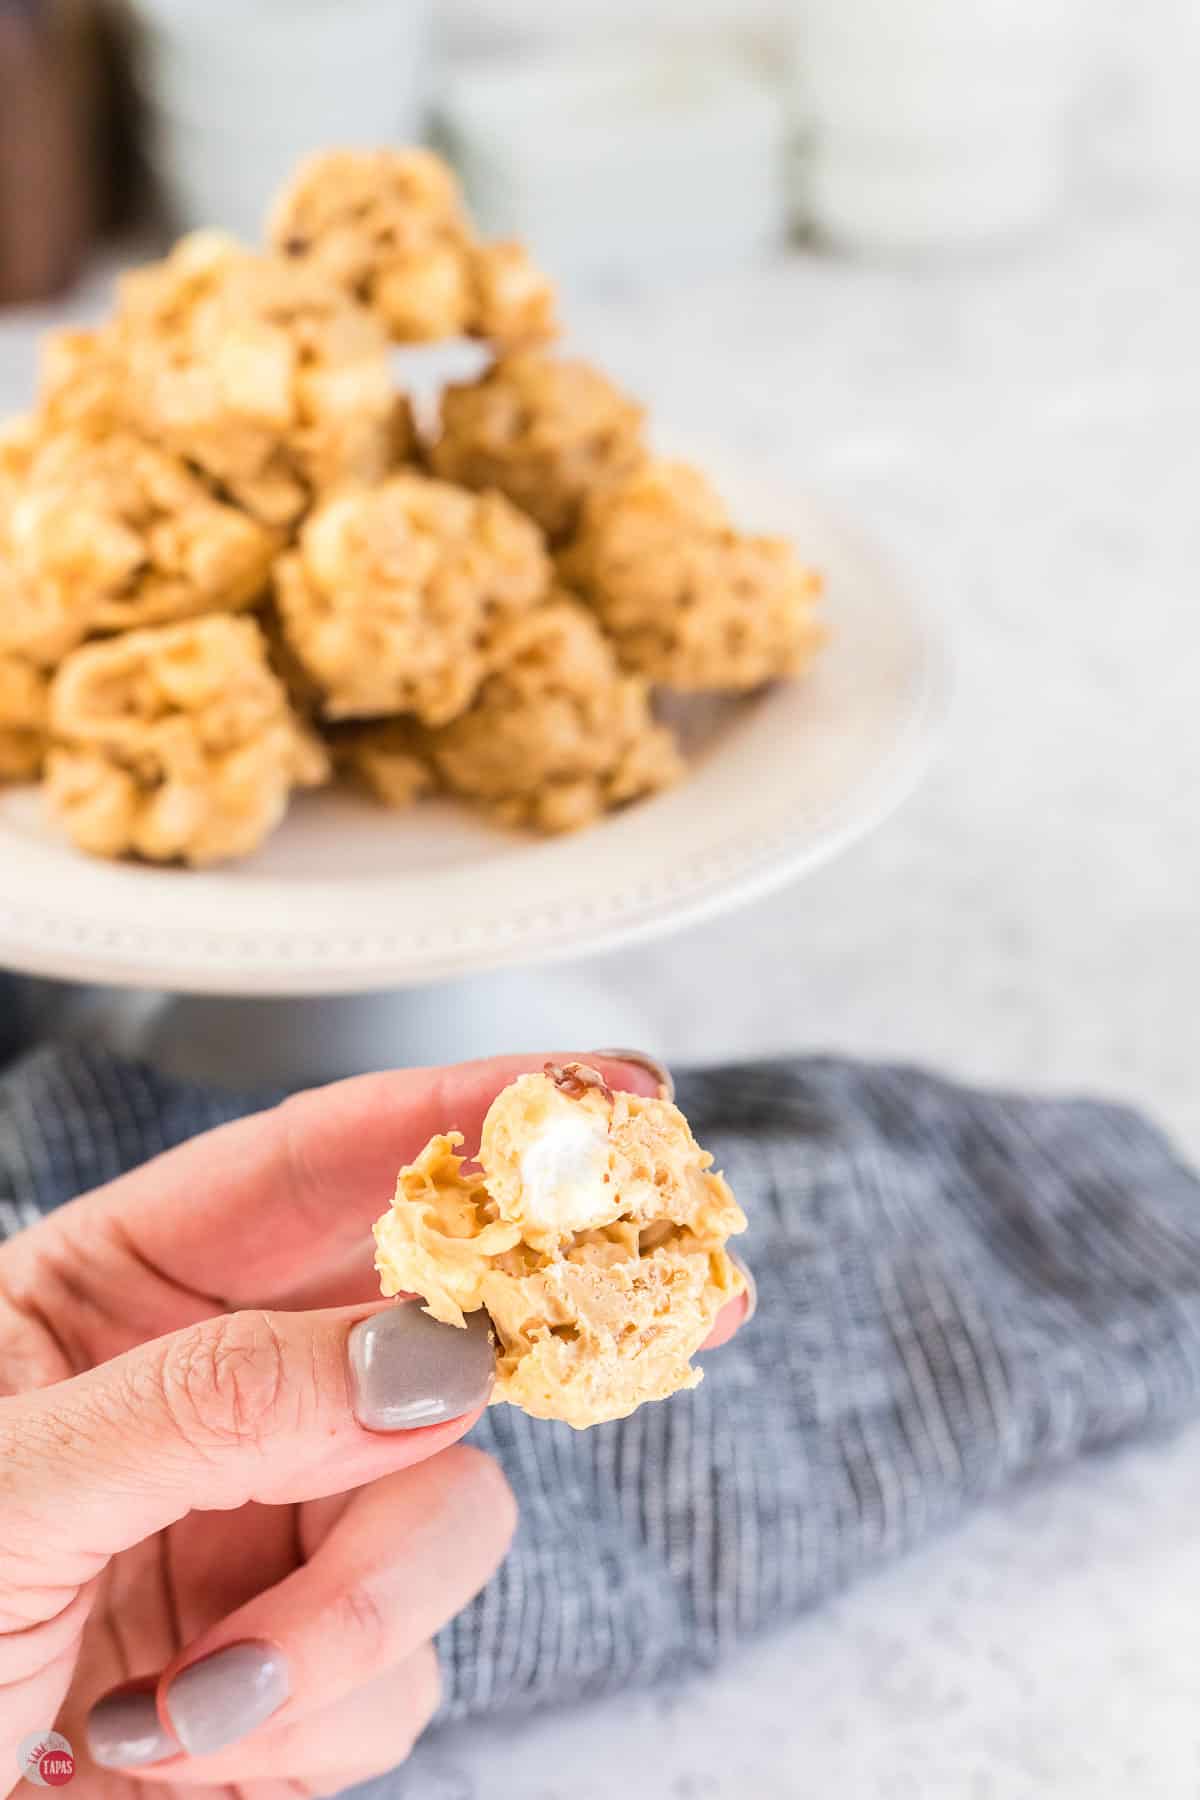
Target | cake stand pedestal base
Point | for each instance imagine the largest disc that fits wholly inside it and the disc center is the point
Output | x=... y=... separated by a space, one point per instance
x=299 y=1042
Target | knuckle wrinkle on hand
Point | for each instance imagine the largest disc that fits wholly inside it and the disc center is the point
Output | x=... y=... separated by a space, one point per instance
x=362 y=1621
x=223 y=1381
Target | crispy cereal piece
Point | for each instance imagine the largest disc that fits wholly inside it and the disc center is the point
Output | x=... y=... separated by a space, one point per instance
x=543 y=430
x=102 y=532
x=390 y=227
x=260 y=371
x=559 y=734
x=593 y=1232
x=690 y=601
x=81 y=381
x=24 y=713
x=513 y=303
x=175 y=744
x=385 y=758
x=394 y=596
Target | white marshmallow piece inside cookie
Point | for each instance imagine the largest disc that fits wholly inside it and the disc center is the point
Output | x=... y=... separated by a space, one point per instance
x=592 y=1230
x=563 y=1173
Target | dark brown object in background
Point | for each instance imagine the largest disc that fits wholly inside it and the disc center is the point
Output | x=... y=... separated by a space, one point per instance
x=124 y=189
x=48 y=173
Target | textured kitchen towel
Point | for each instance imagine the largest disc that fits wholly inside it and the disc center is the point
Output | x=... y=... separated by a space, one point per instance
x=955 y=1288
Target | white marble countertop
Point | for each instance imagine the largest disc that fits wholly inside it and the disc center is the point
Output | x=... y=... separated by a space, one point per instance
x=1023 y=435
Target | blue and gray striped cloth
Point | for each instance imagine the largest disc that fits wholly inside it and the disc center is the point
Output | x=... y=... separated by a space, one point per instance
x=956 y=1288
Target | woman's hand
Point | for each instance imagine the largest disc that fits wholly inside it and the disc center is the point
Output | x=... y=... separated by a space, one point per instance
x=232 y=1509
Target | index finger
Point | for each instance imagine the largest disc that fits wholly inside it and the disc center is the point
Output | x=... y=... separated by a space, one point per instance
x=257 y=1206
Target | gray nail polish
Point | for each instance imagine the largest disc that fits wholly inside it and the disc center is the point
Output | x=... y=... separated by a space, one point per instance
x=124 y=1732
x=225 y=1696
x=751 y=1285
x=642 y=1060
x=407 y=1369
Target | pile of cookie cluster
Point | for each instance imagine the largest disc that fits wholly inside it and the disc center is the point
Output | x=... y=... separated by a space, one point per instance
x=232 y=565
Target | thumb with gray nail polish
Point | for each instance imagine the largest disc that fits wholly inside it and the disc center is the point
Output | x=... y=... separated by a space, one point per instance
x=408 y=1369
x=250 y=1405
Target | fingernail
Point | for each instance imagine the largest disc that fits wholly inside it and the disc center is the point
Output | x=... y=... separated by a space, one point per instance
x=124 y=1732
x=227 y=1695
x=739 y=1262
x=640 y=1060
x=407 y=1369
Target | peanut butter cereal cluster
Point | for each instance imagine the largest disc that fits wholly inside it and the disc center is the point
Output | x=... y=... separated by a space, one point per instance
x=102 y=532
x=690 y=601
x=24 y=710
x=543 y=430
x=261 y=372
x=394 y=597
x=559 y=734
x=591 y=1229
x=175 y=744
x=232 y=561
x=389 y=226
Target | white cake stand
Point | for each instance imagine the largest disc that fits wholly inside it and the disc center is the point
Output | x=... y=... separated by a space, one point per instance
x=436 y=920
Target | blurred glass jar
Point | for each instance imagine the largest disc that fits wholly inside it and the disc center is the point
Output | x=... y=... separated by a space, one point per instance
x=930 y=125
x=623 y=160
x=234 y=94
